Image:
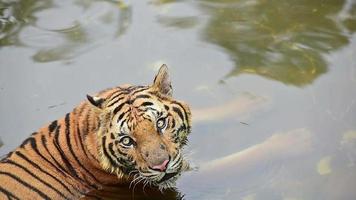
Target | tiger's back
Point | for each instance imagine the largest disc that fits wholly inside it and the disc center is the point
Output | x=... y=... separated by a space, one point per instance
x=111 y=138
x=54 y=163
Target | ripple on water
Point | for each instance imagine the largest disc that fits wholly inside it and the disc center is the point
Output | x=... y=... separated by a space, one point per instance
x=54 y=36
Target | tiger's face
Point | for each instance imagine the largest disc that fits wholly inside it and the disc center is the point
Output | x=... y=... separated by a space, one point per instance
x=142 y=132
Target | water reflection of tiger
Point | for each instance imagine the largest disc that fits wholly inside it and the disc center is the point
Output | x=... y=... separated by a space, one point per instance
x=123 y=135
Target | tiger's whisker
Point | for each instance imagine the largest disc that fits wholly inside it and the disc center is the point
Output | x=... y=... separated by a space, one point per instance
x=136 y=177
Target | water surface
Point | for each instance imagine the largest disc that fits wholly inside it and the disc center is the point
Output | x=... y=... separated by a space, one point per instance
x=272 y=83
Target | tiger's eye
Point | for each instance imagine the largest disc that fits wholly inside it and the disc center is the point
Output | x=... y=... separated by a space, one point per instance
x=127 y=141
x=161 y=123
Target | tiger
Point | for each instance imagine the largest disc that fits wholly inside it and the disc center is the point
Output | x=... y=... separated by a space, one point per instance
x=120 y=136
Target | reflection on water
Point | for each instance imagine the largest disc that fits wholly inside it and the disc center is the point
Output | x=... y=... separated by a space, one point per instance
x=14 y=15
x=180 y=22
x=86 y=25
x=280 y=40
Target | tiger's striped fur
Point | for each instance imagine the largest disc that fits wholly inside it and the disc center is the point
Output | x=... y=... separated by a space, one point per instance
x=123 y=135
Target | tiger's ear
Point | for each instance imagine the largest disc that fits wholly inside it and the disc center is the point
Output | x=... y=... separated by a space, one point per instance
x=96 y=101
x=162 y=82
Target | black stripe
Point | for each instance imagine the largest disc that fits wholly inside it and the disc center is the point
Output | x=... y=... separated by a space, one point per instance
x=44 y=196
x=116 y=94
x=118 y=108
x=36 y=177
x=110 y=147
x=142 y=96
x=177 y=110
x=121 y=115
x=97 y=124
x=131 y=88
x=181 y=128
x=67 y=134
x=8 y=193
x=43 y=171
x=63 y=156
x=139 y=90
x=173 y=122
x=52 y=126
x=81 y=142
x=166 y=107
x=80 y=110
x=121 y=152
x=33 y=144
x=3 y=158
x=122 y=123
x=86 y=131
x=103 y=140
x=26 y=142
x=114 y=102
x=185 y=112
x=34 y=133
x=145 y=115
x=147 y=103
x=120 y=92
x=59 y=167
x=110 y=97
x=176 y=139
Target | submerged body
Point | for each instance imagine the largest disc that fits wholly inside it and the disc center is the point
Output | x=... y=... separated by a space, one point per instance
x=121 y=136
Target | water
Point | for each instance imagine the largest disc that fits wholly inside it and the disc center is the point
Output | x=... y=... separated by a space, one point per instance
x=272 y=83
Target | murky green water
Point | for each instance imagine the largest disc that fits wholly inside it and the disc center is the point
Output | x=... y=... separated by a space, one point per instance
x=249 y=68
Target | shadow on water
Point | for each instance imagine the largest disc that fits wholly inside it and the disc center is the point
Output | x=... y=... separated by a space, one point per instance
x=87 y=24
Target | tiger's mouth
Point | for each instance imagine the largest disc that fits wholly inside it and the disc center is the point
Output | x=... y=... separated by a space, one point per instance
x=162 y=179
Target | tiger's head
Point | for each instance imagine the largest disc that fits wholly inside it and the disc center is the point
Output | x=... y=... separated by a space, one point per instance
x=142 y=131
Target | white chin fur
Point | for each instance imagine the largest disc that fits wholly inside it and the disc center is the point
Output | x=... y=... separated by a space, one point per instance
x=177 y=165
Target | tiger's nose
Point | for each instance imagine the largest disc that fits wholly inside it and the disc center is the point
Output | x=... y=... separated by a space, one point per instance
x=162 y=167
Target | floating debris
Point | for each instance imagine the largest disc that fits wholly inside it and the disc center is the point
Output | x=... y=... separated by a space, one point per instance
x=323 y=166
x=249 y=197
x=178 y=22
x=57 y=105
x=123 y=5
x=348 y=136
